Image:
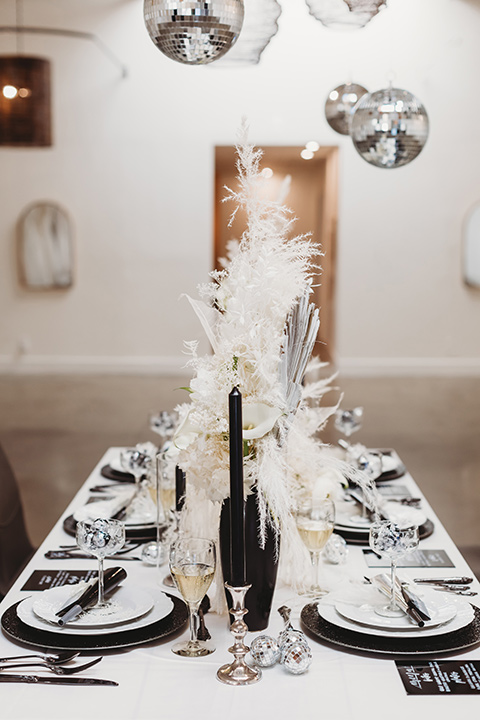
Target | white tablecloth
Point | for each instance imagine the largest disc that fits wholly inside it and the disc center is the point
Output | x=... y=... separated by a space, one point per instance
x=154 y=683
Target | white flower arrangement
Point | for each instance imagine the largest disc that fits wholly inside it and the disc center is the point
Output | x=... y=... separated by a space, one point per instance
x=262 y=327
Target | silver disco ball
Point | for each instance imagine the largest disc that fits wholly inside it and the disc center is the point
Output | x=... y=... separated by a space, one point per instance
x=389 y=127
x=193 y=32
x=340 y=104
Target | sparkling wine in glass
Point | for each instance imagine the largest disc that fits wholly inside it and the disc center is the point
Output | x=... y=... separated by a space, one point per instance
x=192 y=564
x=393 y=542
x=315 y=518
x=100 y=538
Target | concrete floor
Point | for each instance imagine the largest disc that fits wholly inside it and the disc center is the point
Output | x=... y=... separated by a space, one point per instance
x=55 y=429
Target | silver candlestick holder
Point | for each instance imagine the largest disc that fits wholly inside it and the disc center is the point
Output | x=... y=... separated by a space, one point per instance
x=238 y=672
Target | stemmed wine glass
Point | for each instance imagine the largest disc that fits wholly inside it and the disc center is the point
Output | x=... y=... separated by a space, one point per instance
x=315 y=518
x=392 y=541
x=348 y=421
x=100 y=538
x=192 y=564
x=163 y=423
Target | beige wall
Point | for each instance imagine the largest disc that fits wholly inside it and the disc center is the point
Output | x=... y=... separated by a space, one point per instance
x=132 y=162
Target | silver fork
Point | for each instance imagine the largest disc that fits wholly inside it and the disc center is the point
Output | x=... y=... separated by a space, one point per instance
x=53 y=658
x=57 y=669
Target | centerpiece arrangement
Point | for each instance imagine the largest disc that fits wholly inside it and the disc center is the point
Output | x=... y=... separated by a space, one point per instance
x=262 y=327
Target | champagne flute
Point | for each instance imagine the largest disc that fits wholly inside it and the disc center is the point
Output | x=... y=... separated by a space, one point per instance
x=192 y=564
x=138 y=463
x=100 y=538
x=392 y=541
x=154 y=553
x=166 y=478
x=315 y=518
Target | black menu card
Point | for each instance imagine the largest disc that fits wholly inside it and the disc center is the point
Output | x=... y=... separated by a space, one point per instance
x=419 y=558
x=441 y=677
x=46 y=579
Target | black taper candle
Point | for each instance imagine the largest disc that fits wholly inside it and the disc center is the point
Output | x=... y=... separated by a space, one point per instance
x=180 y=488
x=237 y=509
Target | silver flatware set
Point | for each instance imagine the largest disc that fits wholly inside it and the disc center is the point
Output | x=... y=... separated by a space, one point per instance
x=62 y=675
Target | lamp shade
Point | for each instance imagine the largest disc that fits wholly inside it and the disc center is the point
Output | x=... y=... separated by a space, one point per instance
x=25 y=115
x=337 y=14
x=259 y=26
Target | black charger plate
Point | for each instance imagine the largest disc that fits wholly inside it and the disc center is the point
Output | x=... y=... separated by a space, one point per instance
x=148 y=532
x=15 y=629
x=327 y=632
x=117 y=475
x=354 y=537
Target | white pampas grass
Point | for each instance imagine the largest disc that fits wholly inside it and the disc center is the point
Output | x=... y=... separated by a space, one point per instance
x=257 y=314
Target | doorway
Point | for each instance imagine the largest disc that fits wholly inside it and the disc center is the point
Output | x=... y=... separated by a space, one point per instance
x=313 y=197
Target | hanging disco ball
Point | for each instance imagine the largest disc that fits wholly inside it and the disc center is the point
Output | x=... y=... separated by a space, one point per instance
x=337 y=15
x=340 y=104
x=193 y=32
x=389 y=127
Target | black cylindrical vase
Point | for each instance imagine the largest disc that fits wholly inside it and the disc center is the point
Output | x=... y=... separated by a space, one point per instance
x=261 y=563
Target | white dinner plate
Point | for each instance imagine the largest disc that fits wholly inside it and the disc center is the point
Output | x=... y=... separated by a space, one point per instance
x=400 y=514
x=464 y=616
x=441 y=609
x=125 y=604
x=162 y=606
x=136 y=519
x=116 y=465
x=390 y=463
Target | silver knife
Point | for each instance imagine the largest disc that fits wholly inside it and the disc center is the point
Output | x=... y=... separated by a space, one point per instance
x=444 y=581
x=54 y=680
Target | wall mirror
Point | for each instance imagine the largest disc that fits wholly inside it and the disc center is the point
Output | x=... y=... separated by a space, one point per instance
x=45 y=247
x=471 y=248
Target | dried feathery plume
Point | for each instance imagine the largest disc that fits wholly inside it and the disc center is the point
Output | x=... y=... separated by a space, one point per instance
x=262 y=327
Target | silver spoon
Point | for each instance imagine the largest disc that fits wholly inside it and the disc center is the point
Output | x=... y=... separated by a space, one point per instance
x=51 y=658
x=57 y=669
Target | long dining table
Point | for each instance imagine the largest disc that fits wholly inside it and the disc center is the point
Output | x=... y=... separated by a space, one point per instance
x=154 y=683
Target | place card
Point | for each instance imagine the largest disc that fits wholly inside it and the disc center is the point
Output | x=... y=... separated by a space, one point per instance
x=418 y=558
x=441 y=677
x=46 y=579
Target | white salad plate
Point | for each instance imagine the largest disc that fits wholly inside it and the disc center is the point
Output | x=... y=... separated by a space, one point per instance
x=107 y=508
x=400 y=514
x=463 y=616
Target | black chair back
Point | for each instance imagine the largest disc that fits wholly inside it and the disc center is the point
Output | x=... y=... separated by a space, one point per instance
x=15 y=546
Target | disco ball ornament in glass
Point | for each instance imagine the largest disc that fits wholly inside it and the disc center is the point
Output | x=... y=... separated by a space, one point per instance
x=193 y=32
x=340 y=104
x=389 y=127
